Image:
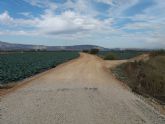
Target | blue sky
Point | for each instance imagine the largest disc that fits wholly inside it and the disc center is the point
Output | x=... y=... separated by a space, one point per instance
x=108 y=23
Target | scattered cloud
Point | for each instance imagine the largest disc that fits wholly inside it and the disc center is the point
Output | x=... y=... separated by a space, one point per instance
x=75 y=19
x=106 y=1
x=26 y=14
x=5 y=18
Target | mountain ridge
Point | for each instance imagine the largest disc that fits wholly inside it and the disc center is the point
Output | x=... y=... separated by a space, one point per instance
x=5 y=46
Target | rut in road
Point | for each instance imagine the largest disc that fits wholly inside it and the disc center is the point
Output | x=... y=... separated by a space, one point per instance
x=82 y=91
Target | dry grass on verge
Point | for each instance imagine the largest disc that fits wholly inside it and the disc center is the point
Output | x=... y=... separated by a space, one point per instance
x=145 y=77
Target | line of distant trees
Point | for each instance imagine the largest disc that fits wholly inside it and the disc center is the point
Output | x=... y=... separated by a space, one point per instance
x=25 y=50
x=33 y=50
x=91 y=51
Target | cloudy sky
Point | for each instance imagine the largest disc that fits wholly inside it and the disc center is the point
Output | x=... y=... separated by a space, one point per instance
x=108 y=23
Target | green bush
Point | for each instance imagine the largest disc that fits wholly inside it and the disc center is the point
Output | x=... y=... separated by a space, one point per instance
x=94 y=51
x=121 y=54
x=85 y=51
x=110 y=56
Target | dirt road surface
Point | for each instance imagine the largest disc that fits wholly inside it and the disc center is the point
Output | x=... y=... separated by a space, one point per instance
x=82 y=91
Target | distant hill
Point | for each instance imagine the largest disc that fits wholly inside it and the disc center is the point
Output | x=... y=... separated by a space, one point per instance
x=4 y=46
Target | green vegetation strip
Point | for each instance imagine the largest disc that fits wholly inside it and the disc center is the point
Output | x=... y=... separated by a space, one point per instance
x=17 y=66
x=119 y=55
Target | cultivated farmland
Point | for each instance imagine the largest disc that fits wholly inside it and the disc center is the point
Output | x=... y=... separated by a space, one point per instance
x=19 y=65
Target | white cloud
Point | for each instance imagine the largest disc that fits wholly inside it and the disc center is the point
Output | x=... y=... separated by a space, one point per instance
x=110 y=2
x=38 y=3
x=26 y=14
x=81 y=18
x=67 y=22
x=48 y=5
x=119 y=6
x=50 y=24
x=17 y=32
x=142 y=26
x=83 y=7
x=77 y=20
x=5 y=18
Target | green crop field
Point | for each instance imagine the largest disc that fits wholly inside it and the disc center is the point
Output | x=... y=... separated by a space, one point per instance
x=17 y=66
x=120 y=55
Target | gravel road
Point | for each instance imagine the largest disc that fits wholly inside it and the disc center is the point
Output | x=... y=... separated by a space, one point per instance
x=82 y=91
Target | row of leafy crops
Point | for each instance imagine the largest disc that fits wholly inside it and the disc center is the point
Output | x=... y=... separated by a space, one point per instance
x=17 y=66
